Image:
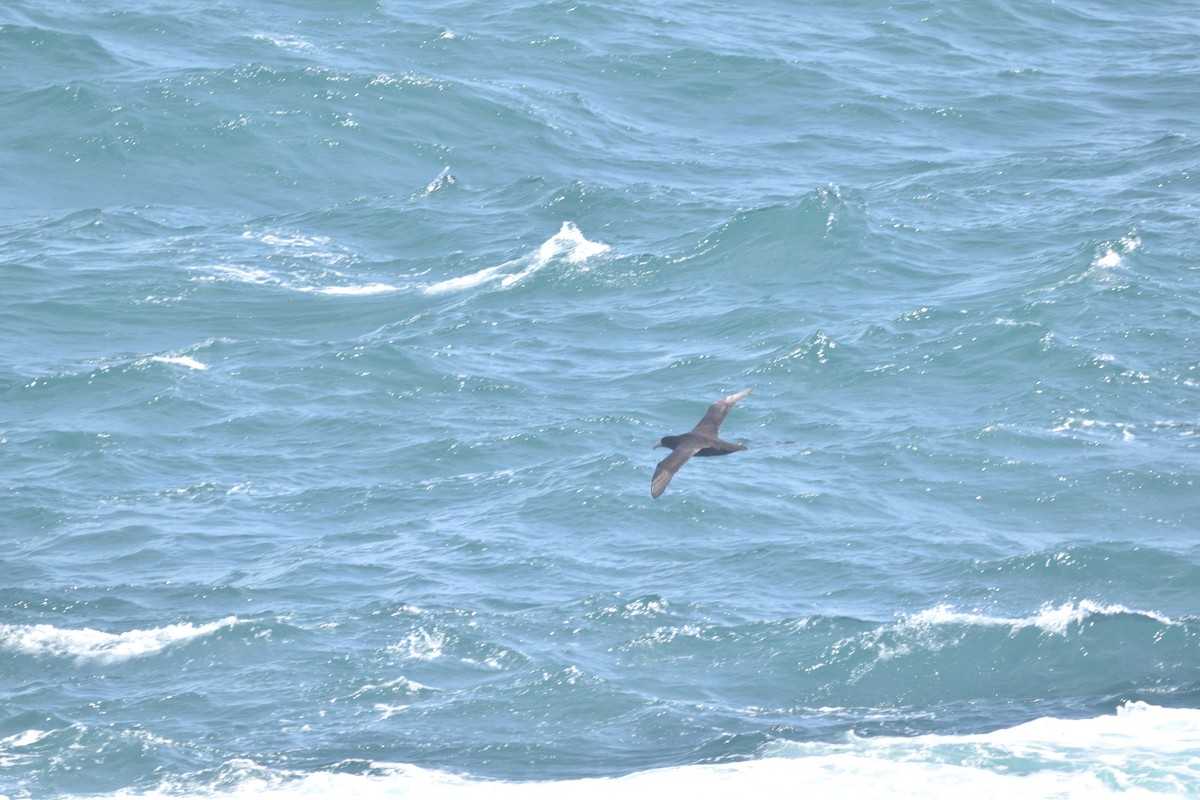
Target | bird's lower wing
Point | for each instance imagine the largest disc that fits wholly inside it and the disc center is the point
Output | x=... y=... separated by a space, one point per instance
x=667 y=468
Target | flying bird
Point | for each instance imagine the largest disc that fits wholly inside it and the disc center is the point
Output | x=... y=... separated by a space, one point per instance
x=701 y=440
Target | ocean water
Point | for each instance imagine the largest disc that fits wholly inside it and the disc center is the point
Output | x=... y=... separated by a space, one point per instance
x=334 y=338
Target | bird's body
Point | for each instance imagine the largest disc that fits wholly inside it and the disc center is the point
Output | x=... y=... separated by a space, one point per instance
x=701 y=440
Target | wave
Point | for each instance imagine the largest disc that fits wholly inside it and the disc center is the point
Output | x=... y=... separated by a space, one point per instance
x=1140 y=751
x=323 y=281
x=316 y=265
x=88 y=644
x=120 y=365
x=182 y=361
x=1051 y=619
x=359 y=289
x=568 y=244
x=1107 y=264
x=307 y=263
x=932 y=624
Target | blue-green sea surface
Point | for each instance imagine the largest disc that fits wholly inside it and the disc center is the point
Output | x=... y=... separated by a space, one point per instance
x=335 y=336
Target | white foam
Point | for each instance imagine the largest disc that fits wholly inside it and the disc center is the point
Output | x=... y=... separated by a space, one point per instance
x=1073 y=425
x=420 y=645
x=288 y=241
x=466 y=281
x=569 y=244
x=298 y=282
x=1107 y=263
x=1052 y=619
x=88 y=644
x=1113 y=255
x=1141 y=751
x=24 y=739
x=569 y=241
x=386 y=711
x=367 y=288
x=402 y=684
x=285 y=42
x=183 y=361
x=444 y=179
x=12 y=749
x=257 y=277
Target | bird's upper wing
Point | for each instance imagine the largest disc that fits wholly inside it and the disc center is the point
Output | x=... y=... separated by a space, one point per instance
x=667 y=468
x=712 y=419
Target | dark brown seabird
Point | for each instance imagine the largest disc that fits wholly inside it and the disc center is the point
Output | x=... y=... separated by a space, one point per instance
x=701 y=440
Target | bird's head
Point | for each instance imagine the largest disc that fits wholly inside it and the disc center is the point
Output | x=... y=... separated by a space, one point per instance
x=658 y=444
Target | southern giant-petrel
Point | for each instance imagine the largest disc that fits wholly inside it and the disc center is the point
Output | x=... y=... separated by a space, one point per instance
x=701 y=440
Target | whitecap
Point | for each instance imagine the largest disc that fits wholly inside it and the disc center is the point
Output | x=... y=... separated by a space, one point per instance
x=88 y=644
x=1073 y=424
x=387 y=711
x=420 y=645
x=291 y=245
x=183 y=361
x=285 y=42
x=1113 y=255
x=364 y=289
x=1141 y=751
x=466 y=281
x=1051 y=619
x=24 y=739
x=12 y=749
x=401 y=684
x=444 y=179
x=1106 y=264
x=251 y=275
x=294 y=241
x=569 y=245
x=299 y=281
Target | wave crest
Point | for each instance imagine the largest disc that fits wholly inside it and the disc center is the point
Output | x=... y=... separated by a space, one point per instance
x=569 y=244
x=89 y=644
x=1051 y=619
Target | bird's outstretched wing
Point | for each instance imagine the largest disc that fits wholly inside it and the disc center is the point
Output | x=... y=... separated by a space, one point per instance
x=712 y=419
x=667 y=468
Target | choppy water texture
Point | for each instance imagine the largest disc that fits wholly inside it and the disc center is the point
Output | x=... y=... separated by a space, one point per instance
x=334 y=337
